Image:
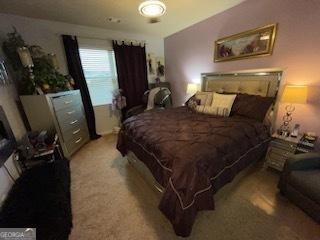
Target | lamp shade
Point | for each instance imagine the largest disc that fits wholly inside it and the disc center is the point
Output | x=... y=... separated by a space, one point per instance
x=53 y=60
x=192 y=88
x=25 y=57
x=295 y=94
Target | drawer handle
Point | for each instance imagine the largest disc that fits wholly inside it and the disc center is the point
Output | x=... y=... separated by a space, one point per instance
x=68 y=102
x=71 y=112
x=76 y=131
x=79 y=140
x=73 y=122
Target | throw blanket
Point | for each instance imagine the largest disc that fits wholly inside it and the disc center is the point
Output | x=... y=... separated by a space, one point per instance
x=192 y=155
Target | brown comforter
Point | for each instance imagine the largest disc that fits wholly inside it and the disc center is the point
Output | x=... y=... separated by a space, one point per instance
x=191 y=155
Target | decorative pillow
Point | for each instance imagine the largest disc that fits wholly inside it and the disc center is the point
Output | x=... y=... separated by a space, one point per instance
x=224 y=112
x=192 y=102
x=252 y=106
x=205 y=98
x=223 y=101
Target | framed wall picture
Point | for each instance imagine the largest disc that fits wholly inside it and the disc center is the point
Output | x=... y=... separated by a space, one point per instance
x=257 y=42
x=151 y=62
x=155 y=67
x=160 y=66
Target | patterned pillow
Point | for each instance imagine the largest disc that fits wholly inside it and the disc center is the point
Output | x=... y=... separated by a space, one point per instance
x=193 y=102
x=205 y=98
x=217 y=111
x=223 y=101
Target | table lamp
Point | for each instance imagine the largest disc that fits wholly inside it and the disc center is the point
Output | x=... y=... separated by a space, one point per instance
x=25 y=57
x=192 y=88
x=26 y=61
x=291 y=95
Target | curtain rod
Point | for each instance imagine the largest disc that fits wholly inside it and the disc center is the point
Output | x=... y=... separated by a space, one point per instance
x=105 y=39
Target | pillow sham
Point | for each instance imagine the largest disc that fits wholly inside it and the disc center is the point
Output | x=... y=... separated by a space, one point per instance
x=205 y=98
x=252 y=106
x=223 y=101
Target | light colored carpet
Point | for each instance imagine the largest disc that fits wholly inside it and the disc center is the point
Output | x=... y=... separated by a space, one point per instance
x=110 y=200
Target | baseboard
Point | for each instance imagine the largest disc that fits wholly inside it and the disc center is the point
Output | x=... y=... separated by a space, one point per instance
x=105 y=133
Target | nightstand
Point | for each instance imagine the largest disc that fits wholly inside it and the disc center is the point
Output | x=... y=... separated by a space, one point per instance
x=280 y=149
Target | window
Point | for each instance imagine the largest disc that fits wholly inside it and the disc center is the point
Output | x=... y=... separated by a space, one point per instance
x=100 y=73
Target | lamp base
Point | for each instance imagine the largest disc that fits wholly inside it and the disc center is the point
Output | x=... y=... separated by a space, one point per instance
x=287 y=118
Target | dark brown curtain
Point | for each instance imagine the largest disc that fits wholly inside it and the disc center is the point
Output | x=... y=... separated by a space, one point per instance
x=75 y=70
x=132 y=72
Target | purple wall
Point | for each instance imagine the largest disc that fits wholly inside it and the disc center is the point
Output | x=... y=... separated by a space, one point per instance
x=189 y=52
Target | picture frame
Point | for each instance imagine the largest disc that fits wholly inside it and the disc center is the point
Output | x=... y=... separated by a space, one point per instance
x=258 y=42
x=160 y=66
x=151 y=64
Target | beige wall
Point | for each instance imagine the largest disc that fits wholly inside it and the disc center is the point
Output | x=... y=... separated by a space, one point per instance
x=8 y=98
x=106 y=119
x=47 y=35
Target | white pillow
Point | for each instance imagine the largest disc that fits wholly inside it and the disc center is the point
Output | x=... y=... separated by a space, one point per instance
x=224 y=112
x=205 y=98
x=223 y=101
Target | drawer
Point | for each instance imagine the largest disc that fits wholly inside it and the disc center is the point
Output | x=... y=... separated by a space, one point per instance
x=281 y=152
x=70 y=113
x=72 y=124
x=275 y=157
x=66 y=101
x=275 y=165
x=290 y=147
x=76 y=142
x=75 y=133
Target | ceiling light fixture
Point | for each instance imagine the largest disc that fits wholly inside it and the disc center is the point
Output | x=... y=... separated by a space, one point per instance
x=152 y=8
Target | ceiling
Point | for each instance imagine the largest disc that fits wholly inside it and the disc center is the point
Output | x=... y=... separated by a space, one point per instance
x=180 y=13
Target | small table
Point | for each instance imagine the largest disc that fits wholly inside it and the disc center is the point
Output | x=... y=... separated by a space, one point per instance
x=280 y=149
x=40 y=157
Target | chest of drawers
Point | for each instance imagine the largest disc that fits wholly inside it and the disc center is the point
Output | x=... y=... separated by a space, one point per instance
x=62 y=113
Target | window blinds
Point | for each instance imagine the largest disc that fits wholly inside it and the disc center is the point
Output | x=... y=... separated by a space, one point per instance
x=100 y=73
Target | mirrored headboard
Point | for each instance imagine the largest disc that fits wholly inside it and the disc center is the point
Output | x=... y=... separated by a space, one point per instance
x=254 y=82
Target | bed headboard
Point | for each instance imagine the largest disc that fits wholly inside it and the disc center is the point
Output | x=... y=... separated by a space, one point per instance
x=255 y=82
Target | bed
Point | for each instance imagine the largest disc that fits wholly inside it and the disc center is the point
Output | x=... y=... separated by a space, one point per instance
x=190 y=155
